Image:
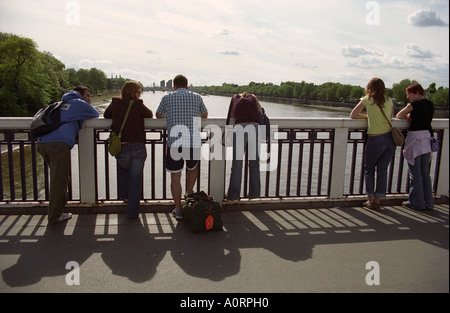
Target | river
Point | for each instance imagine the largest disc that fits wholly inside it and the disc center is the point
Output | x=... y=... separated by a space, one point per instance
x=218 y=107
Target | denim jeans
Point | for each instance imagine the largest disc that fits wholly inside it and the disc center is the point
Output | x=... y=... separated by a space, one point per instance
x=379 y=152
x=245 y=142
x=130 y=167
x=420 y=190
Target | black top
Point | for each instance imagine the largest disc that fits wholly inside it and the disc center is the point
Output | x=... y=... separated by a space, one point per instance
x=422 y=115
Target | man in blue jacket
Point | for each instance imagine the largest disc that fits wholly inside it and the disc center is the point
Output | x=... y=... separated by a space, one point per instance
x=55 y=148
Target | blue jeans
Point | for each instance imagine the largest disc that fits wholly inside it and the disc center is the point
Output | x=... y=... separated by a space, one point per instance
x=379 y=152
x=420 y=190
x=245 y=142
x=130 y=168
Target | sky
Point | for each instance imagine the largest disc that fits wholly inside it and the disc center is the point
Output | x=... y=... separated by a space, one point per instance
x=239 y=41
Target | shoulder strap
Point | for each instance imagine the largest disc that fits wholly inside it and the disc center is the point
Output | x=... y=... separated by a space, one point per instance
x=126 y=116
x=384 y=114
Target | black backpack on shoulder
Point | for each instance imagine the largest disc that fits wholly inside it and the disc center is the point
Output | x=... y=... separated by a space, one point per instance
x=47 y=119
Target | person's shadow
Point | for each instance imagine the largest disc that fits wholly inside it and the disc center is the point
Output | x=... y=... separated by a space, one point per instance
x=49 y=254
x=209 y=255
x=134 y=253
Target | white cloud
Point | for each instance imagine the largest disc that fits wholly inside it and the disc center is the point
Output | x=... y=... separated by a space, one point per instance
x=212 y=42
x=425 y=18
x=414 y=51
x=357 y=51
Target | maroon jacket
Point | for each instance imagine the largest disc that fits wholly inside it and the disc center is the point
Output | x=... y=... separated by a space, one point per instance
x=134 y=130
x=245 y=109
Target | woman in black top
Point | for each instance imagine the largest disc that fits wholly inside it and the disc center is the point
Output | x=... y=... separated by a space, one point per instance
x=417 y=150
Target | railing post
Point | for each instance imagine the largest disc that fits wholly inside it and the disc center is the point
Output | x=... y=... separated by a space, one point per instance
x=86 y=163
x=443 y=183
x=339 y=161
x=216 y=179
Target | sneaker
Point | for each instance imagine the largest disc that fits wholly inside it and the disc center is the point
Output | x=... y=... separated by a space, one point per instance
x=408 y=205
x=64 y=217
x=178 y=214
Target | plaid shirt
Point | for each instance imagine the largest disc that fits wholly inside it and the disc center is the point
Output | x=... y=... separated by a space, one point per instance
x=182 y=109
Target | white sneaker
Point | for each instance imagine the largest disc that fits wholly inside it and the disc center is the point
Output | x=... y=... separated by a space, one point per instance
x=64 y=217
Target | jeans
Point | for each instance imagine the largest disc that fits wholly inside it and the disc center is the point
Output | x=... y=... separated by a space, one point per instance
x=420 y=190
x=245 y=141
x=130 y=168
x=379 y=152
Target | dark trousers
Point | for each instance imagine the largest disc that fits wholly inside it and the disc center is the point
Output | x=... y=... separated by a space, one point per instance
x=57 y=155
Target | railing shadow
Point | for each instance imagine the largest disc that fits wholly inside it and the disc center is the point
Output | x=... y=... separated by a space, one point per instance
x=135 y=248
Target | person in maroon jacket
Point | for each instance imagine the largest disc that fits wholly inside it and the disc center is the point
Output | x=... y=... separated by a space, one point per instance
x=131 y=159
x=244 y=110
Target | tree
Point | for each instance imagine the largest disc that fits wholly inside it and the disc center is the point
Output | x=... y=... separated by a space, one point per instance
x=440 y=97
x=399 y=91
x=96 y=80
x=15 y=53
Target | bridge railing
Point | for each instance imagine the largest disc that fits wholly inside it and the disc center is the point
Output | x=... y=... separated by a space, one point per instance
x=309 y=158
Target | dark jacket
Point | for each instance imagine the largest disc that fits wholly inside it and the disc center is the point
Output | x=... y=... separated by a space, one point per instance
x=134 y=130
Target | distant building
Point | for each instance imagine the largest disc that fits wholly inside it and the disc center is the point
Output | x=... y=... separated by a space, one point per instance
x=162 y=84
x=169 y=84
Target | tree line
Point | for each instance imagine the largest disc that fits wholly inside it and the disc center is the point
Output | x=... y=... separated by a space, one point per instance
x=30 y=79
x=328 y=91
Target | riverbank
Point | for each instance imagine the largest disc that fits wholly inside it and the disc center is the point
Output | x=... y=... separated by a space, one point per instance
x=439 y=112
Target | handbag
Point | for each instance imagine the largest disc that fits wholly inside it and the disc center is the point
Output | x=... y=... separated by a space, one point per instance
x=397 y=135
x=115 y=142
x=434 y=144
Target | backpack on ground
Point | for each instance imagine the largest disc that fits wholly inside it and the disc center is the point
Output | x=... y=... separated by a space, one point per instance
x=201 y=213
x=46 y=119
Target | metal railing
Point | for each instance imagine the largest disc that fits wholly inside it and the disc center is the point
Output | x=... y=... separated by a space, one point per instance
x=309 y=158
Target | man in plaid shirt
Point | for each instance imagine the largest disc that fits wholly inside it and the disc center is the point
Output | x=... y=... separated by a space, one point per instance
x=182 y=110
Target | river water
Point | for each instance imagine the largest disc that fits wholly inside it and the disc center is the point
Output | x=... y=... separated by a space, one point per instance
x=218 y=107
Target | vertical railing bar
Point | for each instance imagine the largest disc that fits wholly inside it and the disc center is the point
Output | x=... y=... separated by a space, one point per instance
x=289 y=162
x=11 y=166
x=34 y=166
x=300 y=167
x=22 y=171
x=269 y=160
x=332 y=137
x=319 y=178
x=107 y=174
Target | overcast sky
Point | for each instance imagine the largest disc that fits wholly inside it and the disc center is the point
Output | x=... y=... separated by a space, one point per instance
x=212 y=41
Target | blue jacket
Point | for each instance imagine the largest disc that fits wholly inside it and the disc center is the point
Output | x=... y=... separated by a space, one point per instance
x=73 y=111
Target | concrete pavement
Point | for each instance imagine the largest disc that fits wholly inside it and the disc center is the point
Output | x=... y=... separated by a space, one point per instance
x=270 y=251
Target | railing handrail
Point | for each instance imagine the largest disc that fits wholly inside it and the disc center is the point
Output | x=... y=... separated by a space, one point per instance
x=306 y=122
x=339 y=126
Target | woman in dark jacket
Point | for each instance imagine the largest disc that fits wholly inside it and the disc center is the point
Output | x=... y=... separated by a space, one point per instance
x=133 y=153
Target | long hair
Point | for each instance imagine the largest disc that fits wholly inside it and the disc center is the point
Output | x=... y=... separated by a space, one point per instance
x=376 y=90
x=129 y=89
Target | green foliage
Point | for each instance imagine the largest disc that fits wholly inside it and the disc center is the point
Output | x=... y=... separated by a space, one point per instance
x=30 y=79
x=327 y=91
